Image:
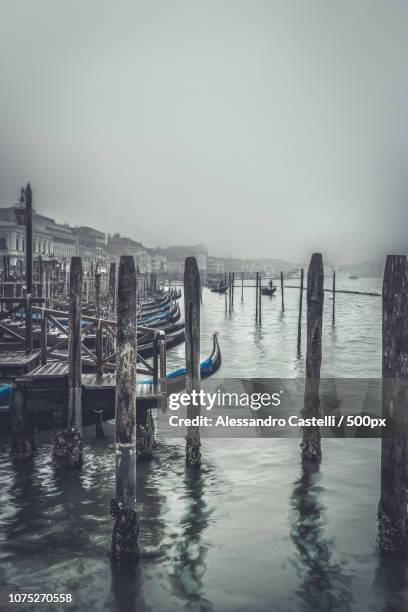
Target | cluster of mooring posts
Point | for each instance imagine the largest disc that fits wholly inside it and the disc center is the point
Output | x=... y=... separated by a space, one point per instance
x=392 y=508
x=134 y=426
x=89 y=382
x=113 y=366
x=264 y=290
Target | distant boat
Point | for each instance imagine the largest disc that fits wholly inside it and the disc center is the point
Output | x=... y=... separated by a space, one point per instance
x=353 y=277
x=269 y=289
x=219 y=288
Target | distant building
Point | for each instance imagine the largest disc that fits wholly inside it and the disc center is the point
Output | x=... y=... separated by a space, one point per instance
x=91 y=247
x=158 y=263
x=50 y=241
x=232 y=264
x=65 y=242
x=118 y=245
x=176 y=255
x=215 y=265
x=175 y=266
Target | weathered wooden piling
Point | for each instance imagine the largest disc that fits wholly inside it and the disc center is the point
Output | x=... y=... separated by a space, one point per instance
x=97 y=295
x=22 y=427
x=392 y=508
x=282 y=291
x=112 y=290
x=125 y=535
x=99 y=327
x=68 y=443
x=334 y=298
x=256 y=296
x=110 y=340
x=29 y=267
x=43 y=338
x=99 y=424
x=299 y=336
x=232 y=289
x=242 y=286
x=192 y=344
x=260 y=300
x=311 y=448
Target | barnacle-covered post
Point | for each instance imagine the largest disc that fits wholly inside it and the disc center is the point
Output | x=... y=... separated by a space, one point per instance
x=193 y=379
x=22 y=426
x=311 y=448
x=392 y=508
x=125 y=535
x=68 y=443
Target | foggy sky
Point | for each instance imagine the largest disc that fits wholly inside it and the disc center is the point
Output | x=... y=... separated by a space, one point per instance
x=260 y=128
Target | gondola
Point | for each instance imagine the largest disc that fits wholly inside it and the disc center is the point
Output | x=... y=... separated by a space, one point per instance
x=145 y=348
x=269 y=289
x=208 y=367
x=220 y=288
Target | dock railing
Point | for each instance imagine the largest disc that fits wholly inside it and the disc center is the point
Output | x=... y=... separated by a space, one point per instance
x=102 y=359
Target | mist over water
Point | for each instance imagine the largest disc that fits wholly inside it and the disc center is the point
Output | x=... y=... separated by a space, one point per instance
x=267 y=129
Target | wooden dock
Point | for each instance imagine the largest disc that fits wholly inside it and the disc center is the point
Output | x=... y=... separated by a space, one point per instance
x=16 y=363
x=57 y=371
x=46 y=392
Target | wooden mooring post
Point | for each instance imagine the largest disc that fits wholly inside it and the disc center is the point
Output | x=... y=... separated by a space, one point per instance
x=125 y=534
x=99 y=328
x=299 y=335
x=22 y=427
x=282 y=291
x=392 y=507
x=68 y=443
x=110 y=340
x=334 y=298
x=242 y=286
x=256 y=296
x=311 y=448
x=29 y=268
x=192 y=330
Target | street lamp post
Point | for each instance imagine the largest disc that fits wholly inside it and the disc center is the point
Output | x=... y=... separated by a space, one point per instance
x=25 y=217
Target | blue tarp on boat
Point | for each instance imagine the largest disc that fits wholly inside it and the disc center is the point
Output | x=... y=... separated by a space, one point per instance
x=6 y=395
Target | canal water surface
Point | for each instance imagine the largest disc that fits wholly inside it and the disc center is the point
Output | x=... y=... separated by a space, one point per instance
x=252 y=531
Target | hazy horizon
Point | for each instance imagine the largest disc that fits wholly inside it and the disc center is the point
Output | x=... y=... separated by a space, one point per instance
x=268 y=129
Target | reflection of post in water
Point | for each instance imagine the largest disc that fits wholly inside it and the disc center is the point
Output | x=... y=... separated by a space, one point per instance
x=390 y=582
x=311 y=449
x=25 y=503
x=75 y=521
x=127 y=588
x=392 y=508
x=324 y=586
x=189 y=564
x=149 y=503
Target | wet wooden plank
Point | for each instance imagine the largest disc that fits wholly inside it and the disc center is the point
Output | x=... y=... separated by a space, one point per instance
x=17 y=358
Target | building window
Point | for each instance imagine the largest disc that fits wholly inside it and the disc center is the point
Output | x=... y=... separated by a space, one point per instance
x=17 y=244
x=3 y=244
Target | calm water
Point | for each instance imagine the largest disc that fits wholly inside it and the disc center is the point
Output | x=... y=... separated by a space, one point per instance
x=252 y=531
